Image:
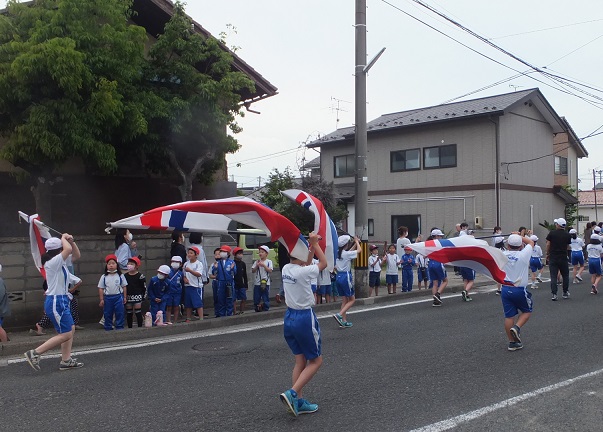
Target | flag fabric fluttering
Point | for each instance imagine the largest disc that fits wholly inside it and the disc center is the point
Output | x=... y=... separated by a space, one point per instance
x=38 y=234
x=323 y=225
x=467 y=251
x=216 y=215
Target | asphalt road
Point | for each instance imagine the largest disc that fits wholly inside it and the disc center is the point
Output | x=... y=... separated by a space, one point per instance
x=402 y=367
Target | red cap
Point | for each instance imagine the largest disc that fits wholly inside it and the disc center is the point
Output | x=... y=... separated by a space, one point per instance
x=135 y=260
x=110 y=257
x=373 y=247
x=407 y=248
x=225 y=248
x=195 y=249
x=237 y=250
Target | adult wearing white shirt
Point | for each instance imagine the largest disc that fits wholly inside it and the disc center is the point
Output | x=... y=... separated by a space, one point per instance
x=57 y=303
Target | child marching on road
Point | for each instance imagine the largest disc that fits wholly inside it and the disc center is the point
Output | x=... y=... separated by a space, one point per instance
x=301 y=328
x=577 y=245
x=536 y=262
x=345 y=285
x=437 y=273
x=595 y=252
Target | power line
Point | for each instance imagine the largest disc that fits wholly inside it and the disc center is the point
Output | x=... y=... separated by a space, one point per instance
x=571 y=52
x=263 y=157
x=545 y=29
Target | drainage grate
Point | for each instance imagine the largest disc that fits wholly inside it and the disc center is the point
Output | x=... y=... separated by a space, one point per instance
x=215 y=346
x=16 y=296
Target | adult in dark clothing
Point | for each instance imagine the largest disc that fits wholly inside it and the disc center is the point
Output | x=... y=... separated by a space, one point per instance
x=557 y=242
x=587 y=233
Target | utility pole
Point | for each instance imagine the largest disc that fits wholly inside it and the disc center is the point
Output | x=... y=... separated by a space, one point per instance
x=595 y=192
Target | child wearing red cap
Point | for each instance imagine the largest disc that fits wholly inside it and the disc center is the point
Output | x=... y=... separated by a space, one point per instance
x=137 y=288
x=112 y=290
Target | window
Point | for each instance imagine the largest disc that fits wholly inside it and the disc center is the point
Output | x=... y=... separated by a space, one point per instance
x=439 y=157
x=560 y=165
x=412 y=222
x=405 y=160
x=345 y=166
x=371 y=227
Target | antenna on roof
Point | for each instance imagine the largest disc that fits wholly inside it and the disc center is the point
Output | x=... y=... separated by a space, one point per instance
x=337 y=109
x=514 y=87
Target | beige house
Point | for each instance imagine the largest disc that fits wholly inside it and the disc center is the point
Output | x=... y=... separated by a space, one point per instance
x=488 y=161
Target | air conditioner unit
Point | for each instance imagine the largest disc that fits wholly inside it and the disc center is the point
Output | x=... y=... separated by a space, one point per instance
x=479 y=222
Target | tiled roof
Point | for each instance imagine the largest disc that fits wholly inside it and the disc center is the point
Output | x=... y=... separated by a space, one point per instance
x=432 y=114
x=588 y=197
x=314 y=163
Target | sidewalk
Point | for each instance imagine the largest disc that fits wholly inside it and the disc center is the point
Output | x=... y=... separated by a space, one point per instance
x=94 y=334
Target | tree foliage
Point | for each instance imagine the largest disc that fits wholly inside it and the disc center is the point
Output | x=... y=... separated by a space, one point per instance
x=303 y=219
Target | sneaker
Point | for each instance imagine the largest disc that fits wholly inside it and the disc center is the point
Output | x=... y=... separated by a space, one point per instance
x=579 y=278
x=593 y=290
x=72 y=363
x=79 y=327
x=516 y=333
x=33 y=359
x=575 y=281
x=514 y=346
x=339 y=319
x=498 y=292
x=566 y=295
x=533 y=286
x=305 y=407
x=538 y=278
x=290 y=402
x=347 y=324
x=464 y=295
x=554 y=297
x=437 y=300
x=559 y=282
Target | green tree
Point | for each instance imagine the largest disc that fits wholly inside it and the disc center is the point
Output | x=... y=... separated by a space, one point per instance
x=65 y=89
x=281 y=180
x=197 y=103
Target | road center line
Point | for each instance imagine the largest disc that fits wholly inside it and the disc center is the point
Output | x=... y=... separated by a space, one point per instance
x=472 y=415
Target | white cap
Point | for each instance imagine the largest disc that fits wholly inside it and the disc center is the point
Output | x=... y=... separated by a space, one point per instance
x=533 y=238
x=343 y=240
x=597 y=228
x=514 y=240
x=498 y=239
x=53 y=243
x=265 y=248
x=560 y=222
x=177 y=258
x=437 y=232
x=164 y=269
x=573 y=231
x=595 y=237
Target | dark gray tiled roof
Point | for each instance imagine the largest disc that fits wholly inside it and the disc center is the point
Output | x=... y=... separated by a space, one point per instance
x=314 y=163
x=455 y=110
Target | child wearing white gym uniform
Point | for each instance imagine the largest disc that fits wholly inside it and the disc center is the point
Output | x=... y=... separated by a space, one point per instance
x=345 y=285
x=301 y=328
x=57 y=304
x=391 y=269
x=536 y=262
x=595 y=251
x=577 y=247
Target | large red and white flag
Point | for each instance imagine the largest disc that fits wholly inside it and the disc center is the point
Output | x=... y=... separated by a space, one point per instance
x=38 y=234
x=466 y=251
x=323 y=225
x=216 y=216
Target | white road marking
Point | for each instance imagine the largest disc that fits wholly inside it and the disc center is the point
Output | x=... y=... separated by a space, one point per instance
x=216 y=332
x=472 y=415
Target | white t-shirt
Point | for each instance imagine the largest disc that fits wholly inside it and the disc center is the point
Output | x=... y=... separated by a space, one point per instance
x=517 y=265
x=73 y=280
x=345 y=263
x=57 y=276
x=374 y=263
x=297 y=285
x=400 y=243
x=194 y=281
x=324 y=277
x=392 y=264
x=421 y=260
x=202 y=259
x=261 y=272
x=537 y=252
x=112 y=283
x=577 y=244
x=594 y=250
x=315 y=280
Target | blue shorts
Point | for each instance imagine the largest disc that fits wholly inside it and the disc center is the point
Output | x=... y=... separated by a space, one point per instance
x=535 y=264
x=1 y=321
x=391 y=279
x=302 y=332
x=324 y=290
x=173 y=299
x=314 y=288
x=345 y=287
x=436 y=271
x=374 y=279
x=58 y=309
x=577 y=258
x=422 y=274
x=514 y=299
x=467 y=273
x=241 y=293
x=193 y=297
x=594 y=266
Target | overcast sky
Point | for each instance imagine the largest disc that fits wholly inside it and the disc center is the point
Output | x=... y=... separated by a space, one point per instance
x=306 y=49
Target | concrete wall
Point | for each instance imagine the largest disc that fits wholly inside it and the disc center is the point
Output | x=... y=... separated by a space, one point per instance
x=24 y=282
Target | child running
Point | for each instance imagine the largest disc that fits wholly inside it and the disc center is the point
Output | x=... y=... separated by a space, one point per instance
x=113 y=291
x=536 y=263
x=345 y=285
x=301 y=328
x=391 y=270
x=56 y=303
x=577 y=245
x=515 y=297
x=594 y=251
x=437 y=273
x=375 y=263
